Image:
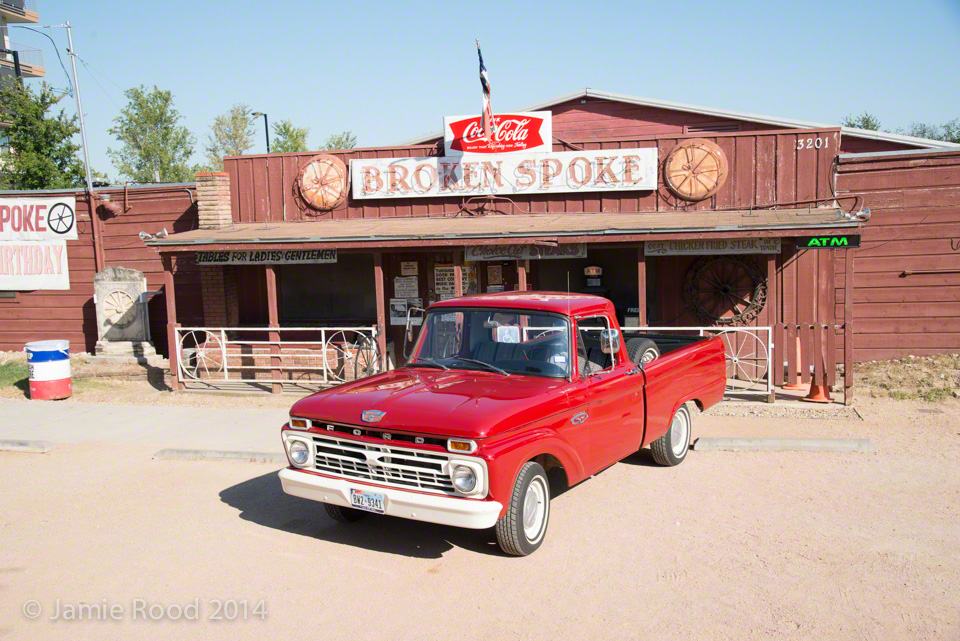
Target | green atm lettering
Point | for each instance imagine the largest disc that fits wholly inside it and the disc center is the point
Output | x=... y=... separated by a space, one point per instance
x=829 y=241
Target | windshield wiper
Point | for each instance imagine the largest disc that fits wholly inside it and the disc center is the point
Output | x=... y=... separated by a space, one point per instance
x=427 y=361
x=473 y=360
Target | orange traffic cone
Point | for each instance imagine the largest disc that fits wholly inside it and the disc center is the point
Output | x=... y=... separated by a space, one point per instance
x=798 y=385
x=818 y=394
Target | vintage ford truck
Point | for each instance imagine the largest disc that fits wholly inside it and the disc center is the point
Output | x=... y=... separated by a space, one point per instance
x=504 y=399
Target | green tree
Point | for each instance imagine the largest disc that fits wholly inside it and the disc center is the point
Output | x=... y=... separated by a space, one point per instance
x=231 y=135
x=344 y=140
x=866 y=120
x=42 y=152
x=287 y=137
x=151 y=138
x=949 y=131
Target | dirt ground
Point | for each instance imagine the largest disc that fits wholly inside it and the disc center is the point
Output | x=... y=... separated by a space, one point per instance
x=725 y=546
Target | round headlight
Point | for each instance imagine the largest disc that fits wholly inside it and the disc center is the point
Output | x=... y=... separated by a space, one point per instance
x=464 y=478
x=299 y=452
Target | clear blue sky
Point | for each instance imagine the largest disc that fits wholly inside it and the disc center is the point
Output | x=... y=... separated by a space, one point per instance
x=390 y=71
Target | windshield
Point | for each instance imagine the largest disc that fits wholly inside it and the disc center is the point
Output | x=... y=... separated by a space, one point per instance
x=497 y=340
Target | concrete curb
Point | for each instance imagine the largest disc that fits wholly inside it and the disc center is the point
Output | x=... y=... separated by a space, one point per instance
x=30 y=447
x=219 y=455
x=784 y=445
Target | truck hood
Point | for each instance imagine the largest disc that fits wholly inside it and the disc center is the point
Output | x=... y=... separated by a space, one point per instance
x=455 y=403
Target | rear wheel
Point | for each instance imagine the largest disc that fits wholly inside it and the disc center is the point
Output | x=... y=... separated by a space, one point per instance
x=521 y=530
x=642 y=350
x=671 y=448
x=343 y=514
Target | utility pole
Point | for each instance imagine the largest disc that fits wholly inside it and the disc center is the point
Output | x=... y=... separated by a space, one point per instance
x=76 y=89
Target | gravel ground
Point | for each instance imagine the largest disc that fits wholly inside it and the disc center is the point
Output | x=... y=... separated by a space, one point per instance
x=725 y=546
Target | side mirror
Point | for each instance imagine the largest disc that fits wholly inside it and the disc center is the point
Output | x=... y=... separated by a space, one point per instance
x=610 y=341
x=408 y=336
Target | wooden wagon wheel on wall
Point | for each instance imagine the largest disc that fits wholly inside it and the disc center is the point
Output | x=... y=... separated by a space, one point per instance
x=695 y=169
x=322 y=182
x=724 y=290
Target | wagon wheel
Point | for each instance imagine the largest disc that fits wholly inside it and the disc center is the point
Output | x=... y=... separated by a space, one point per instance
x=367 y=360
x=746 y=356
x=323 y=182
x=203 y=360
x=338 y=353
x=695 y=169
x=724 y=290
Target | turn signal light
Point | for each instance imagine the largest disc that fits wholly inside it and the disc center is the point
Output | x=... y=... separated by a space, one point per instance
x=298 y=423
x=461 y=446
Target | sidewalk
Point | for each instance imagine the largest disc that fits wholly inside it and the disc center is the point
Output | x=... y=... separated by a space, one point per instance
x=255 y=430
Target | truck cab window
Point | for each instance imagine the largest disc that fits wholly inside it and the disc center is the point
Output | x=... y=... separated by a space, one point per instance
x=590 y=356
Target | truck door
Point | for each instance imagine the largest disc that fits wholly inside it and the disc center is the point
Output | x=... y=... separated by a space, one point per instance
x=615 y=393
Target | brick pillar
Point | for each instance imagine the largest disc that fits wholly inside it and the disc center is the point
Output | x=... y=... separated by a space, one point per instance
x=213 y=200
x=214 y=296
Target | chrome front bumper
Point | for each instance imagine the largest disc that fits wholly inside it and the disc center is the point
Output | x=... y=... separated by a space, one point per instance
x=475 y=514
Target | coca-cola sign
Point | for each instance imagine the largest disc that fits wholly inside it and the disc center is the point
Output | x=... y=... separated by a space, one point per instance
x=525 y=131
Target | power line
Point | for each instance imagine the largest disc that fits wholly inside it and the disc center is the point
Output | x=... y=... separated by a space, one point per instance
x=55 y=50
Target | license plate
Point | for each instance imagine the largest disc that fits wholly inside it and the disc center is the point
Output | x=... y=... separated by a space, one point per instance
x=369 y=501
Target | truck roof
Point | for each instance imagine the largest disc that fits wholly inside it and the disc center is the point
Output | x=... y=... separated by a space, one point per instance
x=571 y=304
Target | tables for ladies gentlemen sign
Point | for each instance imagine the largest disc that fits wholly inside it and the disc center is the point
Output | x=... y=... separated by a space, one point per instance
x=33 y=248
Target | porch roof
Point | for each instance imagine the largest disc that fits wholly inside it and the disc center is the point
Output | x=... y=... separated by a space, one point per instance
x=570 y=227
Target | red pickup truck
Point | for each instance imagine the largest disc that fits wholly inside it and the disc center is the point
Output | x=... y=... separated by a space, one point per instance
x=504 y=397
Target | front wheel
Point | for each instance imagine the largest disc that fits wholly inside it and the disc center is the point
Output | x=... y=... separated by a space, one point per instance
x=343 y=514
x=671 y=448
x=521 y=530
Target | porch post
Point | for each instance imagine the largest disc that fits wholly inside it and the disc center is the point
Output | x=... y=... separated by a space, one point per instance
x=848 y=328
x=173 y=350
x=522 y=267
x=273 y=320
x=773 y=308
x=458 y=273
x=381 y=308
x=641 y=286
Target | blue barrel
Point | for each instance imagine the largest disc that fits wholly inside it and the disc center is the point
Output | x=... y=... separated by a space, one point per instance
x=48 y=363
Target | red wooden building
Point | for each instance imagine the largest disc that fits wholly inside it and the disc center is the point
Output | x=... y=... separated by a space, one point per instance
x=294 y=262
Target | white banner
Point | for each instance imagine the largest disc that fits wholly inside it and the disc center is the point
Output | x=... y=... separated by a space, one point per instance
x=517 y=173
x=34 y=264
x=38 y=218
x=712 y=246
x=524 y=252
x=267 y=257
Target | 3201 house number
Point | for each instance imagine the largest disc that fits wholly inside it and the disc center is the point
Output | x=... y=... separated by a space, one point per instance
x=813 y=143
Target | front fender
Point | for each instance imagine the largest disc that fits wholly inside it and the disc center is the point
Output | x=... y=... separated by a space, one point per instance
x=507 y=454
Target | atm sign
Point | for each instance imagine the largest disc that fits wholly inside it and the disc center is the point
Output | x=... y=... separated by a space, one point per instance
x=828 y=242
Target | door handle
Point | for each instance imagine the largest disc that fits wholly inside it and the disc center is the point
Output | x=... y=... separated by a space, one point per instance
x=633 y=371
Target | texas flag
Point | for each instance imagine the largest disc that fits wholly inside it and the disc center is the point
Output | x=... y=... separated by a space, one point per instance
x=486 y=120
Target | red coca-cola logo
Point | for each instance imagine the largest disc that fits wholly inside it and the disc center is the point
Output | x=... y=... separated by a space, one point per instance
x=514 y=133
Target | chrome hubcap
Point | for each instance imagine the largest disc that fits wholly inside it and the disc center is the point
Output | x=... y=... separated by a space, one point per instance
x=535 y=506
x=679 y=432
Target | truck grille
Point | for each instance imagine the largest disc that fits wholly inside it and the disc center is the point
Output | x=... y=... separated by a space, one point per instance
x=396 y=466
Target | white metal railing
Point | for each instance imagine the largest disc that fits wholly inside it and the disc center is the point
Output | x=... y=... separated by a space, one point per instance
x=221 y=354
x=748 y=352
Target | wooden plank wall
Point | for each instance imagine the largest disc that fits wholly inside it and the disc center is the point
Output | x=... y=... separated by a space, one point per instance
x=914 y=202
x=765 y=167
x=70 y=314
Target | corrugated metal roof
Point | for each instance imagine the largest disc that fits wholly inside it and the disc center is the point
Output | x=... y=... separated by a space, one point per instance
x=788 y=123
x=603 y=225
